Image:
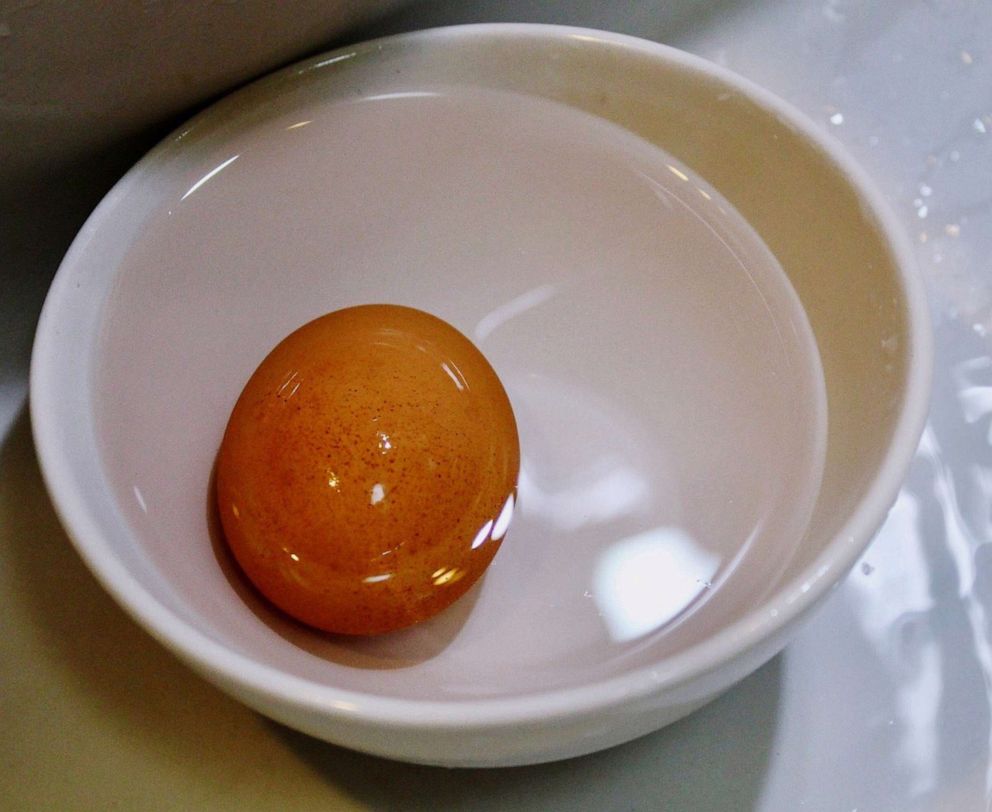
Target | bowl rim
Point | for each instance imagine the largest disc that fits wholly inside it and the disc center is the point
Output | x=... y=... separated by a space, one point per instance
x=776 y=613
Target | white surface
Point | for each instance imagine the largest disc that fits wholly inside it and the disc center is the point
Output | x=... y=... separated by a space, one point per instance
x=883 y=702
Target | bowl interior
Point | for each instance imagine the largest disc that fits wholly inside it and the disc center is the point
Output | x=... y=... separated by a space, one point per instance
x=185 y=277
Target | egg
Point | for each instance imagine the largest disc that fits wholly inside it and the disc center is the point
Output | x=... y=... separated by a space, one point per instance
x=368 y=472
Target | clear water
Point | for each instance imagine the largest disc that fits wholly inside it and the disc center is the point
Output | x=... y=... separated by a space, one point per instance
x=664 y=378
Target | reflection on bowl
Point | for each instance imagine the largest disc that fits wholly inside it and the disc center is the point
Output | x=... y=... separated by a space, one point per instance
x=693 y=478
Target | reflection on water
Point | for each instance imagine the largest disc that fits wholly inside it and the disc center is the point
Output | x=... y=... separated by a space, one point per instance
x=511 y=309
x=216 y=170
x=893 y=616
x=974 y=396
x=926 y=606
x=608 y=490
x=644 y=581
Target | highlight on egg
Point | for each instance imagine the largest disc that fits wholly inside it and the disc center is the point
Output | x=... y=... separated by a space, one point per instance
x=368 y=472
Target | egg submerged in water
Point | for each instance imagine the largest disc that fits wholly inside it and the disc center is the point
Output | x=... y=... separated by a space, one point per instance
x=368 y=471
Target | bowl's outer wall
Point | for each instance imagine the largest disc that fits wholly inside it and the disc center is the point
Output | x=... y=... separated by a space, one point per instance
x=515 y=744
x=828 y=240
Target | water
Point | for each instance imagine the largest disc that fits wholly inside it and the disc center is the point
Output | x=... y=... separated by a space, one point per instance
x=663 y=375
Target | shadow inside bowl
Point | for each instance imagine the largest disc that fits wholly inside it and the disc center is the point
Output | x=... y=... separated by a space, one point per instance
x=400 y=649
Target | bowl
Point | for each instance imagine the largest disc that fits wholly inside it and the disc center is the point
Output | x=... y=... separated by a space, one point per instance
x=185 y=276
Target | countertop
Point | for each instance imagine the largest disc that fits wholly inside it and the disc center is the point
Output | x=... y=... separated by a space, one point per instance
x=883 y=702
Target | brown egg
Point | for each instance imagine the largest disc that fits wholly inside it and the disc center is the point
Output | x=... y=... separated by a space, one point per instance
x=368 y=471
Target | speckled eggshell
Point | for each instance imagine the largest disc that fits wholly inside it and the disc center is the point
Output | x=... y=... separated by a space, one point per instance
x=368 y=470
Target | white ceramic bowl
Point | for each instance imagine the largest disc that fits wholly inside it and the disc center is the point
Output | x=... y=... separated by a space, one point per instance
x=141 y=352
